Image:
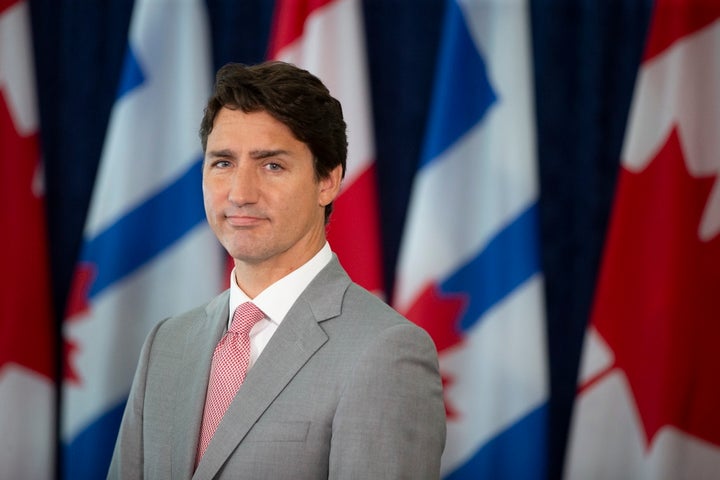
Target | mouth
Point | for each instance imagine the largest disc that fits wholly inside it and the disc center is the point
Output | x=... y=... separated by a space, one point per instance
x=243 y=221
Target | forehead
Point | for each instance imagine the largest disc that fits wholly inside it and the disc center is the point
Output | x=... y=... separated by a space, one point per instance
x=236 y=133
x=230 y=123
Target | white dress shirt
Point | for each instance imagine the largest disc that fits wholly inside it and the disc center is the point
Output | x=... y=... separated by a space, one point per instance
x=275 y=301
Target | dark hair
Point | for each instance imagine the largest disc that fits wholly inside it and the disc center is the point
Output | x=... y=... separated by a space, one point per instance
x=292 y=96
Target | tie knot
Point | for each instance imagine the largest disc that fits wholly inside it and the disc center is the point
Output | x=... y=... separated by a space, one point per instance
x=245 y=317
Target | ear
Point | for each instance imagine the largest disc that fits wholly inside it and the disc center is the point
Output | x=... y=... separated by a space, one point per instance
x=330 y=186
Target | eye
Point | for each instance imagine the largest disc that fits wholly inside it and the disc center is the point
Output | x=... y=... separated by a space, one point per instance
x=272 y=166
x=221 y=164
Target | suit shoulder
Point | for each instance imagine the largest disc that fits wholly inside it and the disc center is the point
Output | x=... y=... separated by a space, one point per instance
x=368 y=310
x=358 y=298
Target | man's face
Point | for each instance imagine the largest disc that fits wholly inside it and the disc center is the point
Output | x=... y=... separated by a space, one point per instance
x=262 y=198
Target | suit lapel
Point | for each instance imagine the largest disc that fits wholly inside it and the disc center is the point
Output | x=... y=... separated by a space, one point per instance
x=201 y=339
x=297 y=338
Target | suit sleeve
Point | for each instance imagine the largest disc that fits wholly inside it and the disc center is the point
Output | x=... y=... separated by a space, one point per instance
x=390 y=421
x=127 y=459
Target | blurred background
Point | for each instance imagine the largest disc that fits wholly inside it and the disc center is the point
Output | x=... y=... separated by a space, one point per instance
x=585 y=54
x=584 y=60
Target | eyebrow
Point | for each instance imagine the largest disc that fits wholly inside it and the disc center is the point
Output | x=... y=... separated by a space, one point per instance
x=224 y=153
x=260 y=154
x=256 y=154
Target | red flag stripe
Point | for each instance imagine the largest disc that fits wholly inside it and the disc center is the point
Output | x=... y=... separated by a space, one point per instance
x=25 y=305
x=674 y=19
x=353 y=231
x=5 y=4
x=27 y=340
x=289 y=22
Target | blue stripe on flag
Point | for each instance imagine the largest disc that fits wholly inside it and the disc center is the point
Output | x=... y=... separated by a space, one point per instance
x=155 y=219
x=90 y=452
x=143 y=233
x=462 y=93
x=509 y=260
x=516 y=453
x=463 y=98
x=132 y=74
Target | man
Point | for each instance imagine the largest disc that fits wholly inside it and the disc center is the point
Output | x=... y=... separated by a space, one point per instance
x=339 y=385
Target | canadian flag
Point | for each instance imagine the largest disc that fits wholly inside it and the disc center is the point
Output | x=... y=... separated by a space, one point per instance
x=649 y=395
x=27 y=385
x=326 y=38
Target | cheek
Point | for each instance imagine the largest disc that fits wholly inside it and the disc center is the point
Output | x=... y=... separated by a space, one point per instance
x=211 y=188
x=210 y=201
x=305 y=208
x=291 y=210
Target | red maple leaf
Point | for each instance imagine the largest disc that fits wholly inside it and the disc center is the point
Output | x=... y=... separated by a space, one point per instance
x=657 y=304
x=450 y=413
x=78 y=304
x=26 y=322
x=439 y=314
x=78 y=299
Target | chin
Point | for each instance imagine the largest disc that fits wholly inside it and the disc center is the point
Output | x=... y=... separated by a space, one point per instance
x=245 y=254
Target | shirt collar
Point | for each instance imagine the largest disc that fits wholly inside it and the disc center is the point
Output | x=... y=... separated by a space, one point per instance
x=277 y=299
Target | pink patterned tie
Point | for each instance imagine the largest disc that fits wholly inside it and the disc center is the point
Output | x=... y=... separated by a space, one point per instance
x=229 y=366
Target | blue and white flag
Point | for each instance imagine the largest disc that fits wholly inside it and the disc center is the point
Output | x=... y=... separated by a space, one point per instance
x=148 y=251
x=469 y=269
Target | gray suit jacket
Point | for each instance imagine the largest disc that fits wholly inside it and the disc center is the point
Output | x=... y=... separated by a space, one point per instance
x=345 y=389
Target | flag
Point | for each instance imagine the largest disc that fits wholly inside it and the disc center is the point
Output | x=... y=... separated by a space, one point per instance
x=469 y=269
x=147 y=250
x=27 y=371
x=648 y=395
x=326 y=37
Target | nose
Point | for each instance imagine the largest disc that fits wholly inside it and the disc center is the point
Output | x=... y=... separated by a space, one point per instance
x=243 y=186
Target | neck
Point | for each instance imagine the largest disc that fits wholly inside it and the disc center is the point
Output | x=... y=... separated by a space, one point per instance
x=253 y=278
